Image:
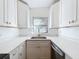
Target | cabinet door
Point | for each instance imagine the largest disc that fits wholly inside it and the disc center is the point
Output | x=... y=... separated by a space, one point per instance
x=23 y=14
x=12 y=13
x=33 y=50
x=38 y=50
x=14 y=54
x=45 y=50
x=22 y=52
x=60 y=13
x=6 y=13
x=1 y=11
x=68 y=12
x=55 y=14
x=77 y=21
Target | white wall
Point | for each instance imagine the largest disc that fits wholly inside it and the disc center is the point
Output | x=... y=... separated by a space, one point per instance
x=51 y=33
x=43 y=12
x=70 y=32
x=39 y=12
x=25 y=32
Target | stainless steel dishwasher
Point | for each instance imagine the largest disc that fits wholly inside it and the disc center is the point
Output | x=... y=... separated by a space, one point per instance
x=59 y=54
x=4 y=56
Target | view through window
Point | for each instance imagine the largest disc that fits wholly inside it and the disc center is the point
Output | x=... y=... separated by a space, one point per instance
x=40 y=24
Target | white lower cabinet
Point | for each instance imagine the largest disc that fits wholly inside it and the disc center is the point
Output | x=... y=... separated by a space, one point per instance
x=54 y=14
x=22 y=52
x=14 y=54
x=19 y=52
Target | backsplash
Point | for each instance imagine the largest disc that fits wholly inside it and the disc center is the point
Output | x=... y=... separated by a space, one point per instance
x=51 y=32
x=12 y=32
x=25 y=31
x=70 y=32
x=8 y=32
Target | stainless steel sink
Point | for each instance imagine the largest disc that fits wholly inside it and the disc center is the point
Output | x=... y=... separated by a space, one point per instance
x=38 y=38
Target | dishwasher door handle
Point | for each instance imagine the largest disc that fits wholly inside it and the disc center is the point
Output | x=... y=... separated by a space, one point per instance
x=58 y=51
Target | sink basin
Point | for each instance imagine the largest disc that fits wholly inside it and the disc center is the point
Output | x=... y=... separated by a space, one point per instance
x=38 y=38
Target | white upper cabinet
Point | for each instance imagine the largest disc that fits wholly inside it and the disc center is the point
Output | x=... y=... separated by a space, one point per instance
x=8 y=13
x=23 y=14
x=68 y=13
x=12 y=12
x=1 y=11
x=77 y=21
x=54 y=15
x=5 y=12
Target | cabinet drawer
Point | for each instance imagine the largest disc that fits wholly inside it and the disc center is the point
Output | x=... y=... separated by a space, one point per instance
x=44 y=43
x=32 y=44
x=39 y=49
x=38 y=43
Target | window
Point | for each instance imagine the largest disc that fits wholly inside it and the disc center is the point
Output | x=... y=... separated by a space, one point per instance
x=40 y=24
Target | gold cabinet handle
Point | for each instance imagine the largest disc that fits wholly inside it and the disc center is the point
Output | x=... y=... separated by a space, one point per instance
x=69 y=22
x=14 y=54
x=37 y=46
x=73 y=21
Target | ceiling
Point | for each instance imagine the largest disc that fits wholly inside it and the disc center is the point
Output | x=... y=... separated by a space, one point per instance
x=39 y=3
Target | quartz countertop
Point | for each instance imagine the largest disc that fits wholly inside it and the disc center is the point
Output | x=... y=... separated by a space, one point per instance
x=69 y=46
x=8 y=45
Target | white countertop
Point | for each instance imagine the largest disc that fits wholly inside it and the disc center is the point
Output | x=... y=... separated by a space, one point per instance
x=8 y=45
x=69 y=46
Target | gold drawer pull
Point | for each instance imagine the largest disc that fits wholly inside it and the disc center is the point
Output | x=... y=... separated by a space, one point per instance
x=37 y=46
